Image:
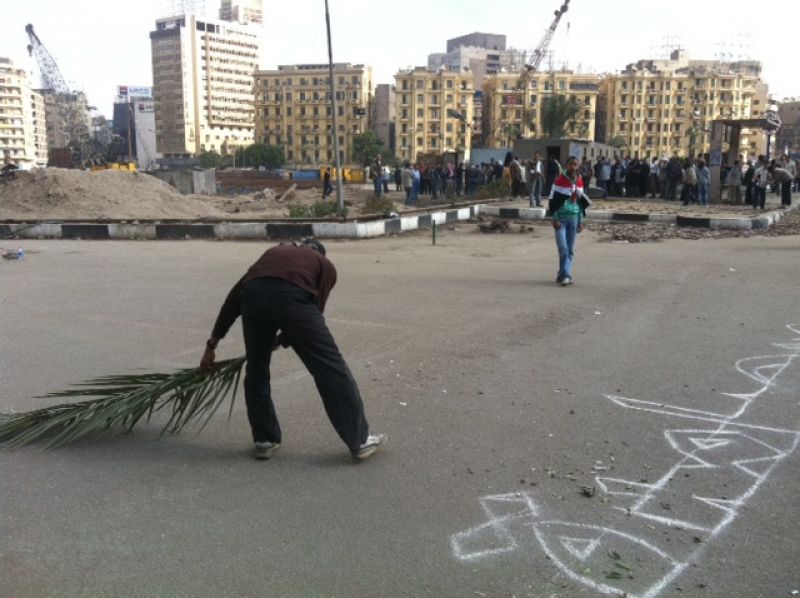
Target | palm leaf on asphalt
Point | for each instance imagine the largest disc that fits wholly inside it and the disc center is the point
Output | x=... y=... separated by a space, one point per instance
x=187 y=396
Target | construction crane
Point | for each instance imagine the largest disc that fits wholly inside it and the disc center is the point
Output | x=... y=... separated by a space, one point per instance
x=70 y=110
x=538 y=54
x=51 y=75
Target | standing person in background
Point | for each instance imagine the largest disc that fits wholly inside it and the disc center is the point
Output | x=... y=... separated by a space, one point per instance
x=568 y=202
x=653 y=186
x=604 y=174
x=376 y=174
x=407 y=181
x=460 y=178
x=416 y=183
x=536 y=177
x=703 y=182
x=281 y=299
x=552 y=171
x=749 y=174
x=506 y=174
x=397 y=179
x=760 y=183
x=585 y=171
x=734 y=183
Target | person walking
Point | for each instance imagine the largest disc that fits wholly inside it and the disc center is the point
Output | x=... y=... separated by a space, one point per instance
x=327 y=188
x=568 y=202
x=281 y=299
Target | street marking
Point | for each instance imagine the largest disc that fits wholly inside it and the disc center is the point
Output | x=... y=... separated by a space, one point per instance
x=720 y=467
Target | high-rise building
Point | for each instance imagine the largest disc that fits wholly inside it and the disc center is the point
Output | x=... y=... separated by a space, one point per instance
x=434 y=111
x=662 y=108
x=241 y=11
x=134 y=125
x=203 y=85
x=787 y=139
x=293 y=110
x=510 y=112
x=383 y=114
x=22 y=138
x=489 y=41
x=484 y=54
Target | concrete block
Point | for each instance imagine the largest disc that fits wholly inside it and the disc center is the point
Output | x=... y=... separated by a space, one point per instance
x=132 y=231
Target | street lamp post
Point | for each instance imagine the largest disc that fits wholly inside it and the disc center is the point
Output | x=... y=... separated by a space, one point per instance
x=338 y=162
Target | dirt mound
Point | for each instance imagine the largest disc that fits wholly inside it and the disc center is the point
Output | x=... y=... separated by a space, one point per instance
x=61 y=194
x=57 y=193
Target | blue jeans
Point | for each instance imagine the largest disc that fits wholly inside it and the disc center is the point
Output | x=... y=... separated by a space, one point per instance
x=702 y=194
x=535 y=196
x=378 y=186
x=565 y=241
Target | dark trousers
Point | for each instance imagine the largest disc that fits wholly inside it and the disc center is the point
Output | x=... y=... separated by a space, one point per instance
x=759 y=197
x=786 y=193
x=269 y=305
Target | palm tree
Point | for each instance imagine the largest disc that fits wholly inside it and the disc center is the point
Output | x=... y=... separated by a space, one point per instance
x=557 y=111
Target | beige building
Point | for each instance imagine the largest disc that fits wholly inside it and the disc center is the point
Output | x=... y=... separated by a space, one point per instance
x=241 y=11
x=203 y=85
x=510 y=113
x=662 y=108
x=22 y=127
x=787 y=139
x=293 y=110
x=426 y=102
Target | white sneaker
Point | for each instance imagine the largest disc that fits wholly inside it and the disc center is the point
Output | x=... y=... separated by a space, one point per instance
x=565 y=281
x=366 y=450
x=265 y=450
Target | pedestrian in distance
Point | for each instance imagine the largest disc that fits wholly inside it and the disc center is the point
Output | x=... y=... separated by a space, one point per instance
x=703 y=181
x=407 y=181
x=760 y=184
x=281 y=300
x=327 y=188
x=568 y=203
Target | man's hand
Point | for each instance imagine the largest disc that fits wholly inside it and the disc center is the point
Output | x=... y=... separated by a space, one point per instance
x=207 y=362
x=556 y=224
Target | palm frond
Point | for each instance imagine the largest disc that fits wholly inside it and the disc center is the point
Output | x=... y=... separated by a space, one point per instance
x=187 y=395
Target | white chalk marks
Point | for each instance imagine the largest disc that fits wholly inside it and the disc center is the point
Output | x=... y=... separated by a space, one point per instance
x=723 y=458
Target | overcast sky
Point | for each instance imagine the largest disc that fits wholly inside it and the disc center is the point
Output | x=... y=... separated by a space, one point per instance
x=99 y=44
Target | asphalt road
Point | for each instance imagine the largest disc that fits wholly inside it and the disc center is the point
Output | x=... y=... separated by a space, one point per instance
x=502 y=395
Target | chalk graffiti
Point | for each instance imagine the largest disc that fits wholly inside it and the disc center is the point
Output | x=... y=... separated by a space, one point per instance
x=723 y=459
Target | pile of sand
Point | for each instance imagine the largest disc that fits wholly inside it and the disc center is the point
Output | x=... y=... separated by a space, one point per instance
x=61 y=194
x=58 y=193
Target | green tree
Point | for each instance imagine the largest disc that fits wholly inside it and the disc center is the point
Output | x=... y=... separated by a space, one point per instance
x=366 y=146
x=259 y=154
x=617 y=142
x=210 y=159
x=557 y=110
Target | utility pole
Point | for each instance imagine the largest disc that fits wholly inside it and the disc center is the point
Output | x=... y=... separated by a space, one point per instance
x=338 y=162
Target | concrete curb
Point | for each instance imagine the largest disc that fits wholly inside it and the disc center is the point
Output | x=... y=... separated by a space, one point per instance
x=237 y=230
x=763 y=221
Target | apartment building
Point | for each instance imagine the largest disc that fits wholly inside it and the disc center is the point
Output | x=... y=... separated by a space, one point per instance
x=510 y=112
x=787 y=139
x=241 y=11
x=293 y=110
x=428 y=106
x=661 y=108
x=23 y=137
x=203 y=85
